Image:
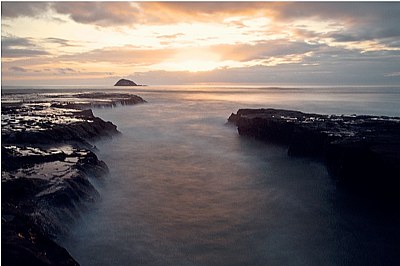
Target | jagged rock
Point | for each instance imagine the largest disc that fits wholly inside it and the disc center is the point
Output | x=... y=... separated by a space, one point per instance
x=42 y=195
x=100 y=99
x=47 y=161
x=361 y=151
x=125 y=82
x=64 y=120
x=47 y=191
x=23 y=244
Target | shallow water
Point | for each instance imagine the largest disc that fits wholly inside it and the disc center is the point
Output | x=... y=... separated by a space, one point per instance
x=185 y=189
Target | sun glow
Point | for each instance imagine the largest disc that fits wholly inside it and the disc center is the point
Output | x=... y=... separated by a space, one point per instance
x=225 y=42
x=192 y=60
x=195 y=65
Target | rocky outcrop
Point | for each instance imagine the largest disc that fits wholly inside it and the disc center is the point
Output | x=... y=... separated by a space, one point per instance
x=24 y=244
x=99 y=100
x=43 y=192
x=73 y=126
x=62 y=118
x=47 y=164
x=361 y=151
x=125 y=82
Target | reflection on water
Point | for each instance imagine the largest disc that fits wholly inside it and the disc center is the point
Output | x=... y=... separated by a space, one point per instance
x=185 y=189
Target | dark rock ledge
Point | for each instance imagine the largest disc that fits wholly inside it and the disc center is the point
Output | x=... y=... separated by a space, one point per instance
x=47 y=167
x=361 y=152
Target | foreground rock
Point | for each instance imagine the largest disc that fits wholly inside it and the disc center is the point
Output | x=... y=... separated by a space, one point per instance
x=361 y=151
x=43 y=192
x=47 y=167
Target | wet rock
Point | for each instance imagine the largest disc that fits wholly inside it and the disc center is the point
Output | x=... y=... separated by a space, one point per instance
x=61 y=118
x=47 y=167
x=51 y=186
x=98 y=100
x=361 y=151
x=22 y=243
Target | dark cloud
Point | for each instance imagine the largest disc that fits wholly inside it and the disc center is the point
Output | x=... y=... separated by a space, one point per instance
x=263 y=50
x=19 y=9
x=125 y=55
x=368 y=32
x=13 y=47
x=62 y=42
x=11 y=41
x=363 y=21
x=12 y=53
x=345 y=37
x=18 y=69
x=65 y=70
x=394 y=43
x=98 y=13
x=343 y=11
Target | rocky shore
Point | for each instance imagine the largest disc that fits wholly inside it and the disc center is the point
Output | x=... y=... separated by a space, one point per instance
x=360 y=151
x=48 y=163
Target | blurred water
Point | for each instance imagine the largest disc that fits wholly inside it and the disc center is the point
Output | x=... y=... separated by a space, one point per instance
x=185 y=189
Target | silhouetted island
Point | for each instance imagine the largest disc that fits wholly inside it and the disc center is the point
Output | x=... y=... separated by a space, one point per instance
x=360 y=151
x=47 y=160
x=125 y=82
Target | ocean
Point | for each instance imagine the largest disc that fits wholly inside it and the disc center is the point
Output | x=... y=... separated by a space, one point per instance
x=185 y=189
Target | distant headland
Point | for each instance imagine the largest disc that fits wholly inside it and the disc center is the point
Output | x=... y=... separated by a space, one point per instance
x=126 y=82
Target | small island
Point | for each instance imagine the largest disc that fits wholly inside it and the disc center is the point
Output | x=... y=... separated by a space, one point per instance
x=125 y=82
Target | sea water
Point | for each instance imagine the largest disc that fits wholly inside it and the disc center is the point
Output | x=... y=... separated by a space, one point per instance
x=185 y=189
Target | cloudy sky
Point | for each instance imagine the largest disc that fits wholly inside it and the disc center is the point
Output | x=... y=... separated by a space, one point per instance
x=80 y=43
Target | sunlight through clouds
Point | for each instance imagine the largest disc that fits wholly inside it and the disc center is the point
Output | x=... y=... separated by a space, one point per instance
x=98 y=38
x=192 y=60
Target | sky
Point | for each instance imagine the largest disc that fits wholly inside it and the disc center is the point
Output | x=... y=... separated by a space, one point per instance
x=155 y=43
